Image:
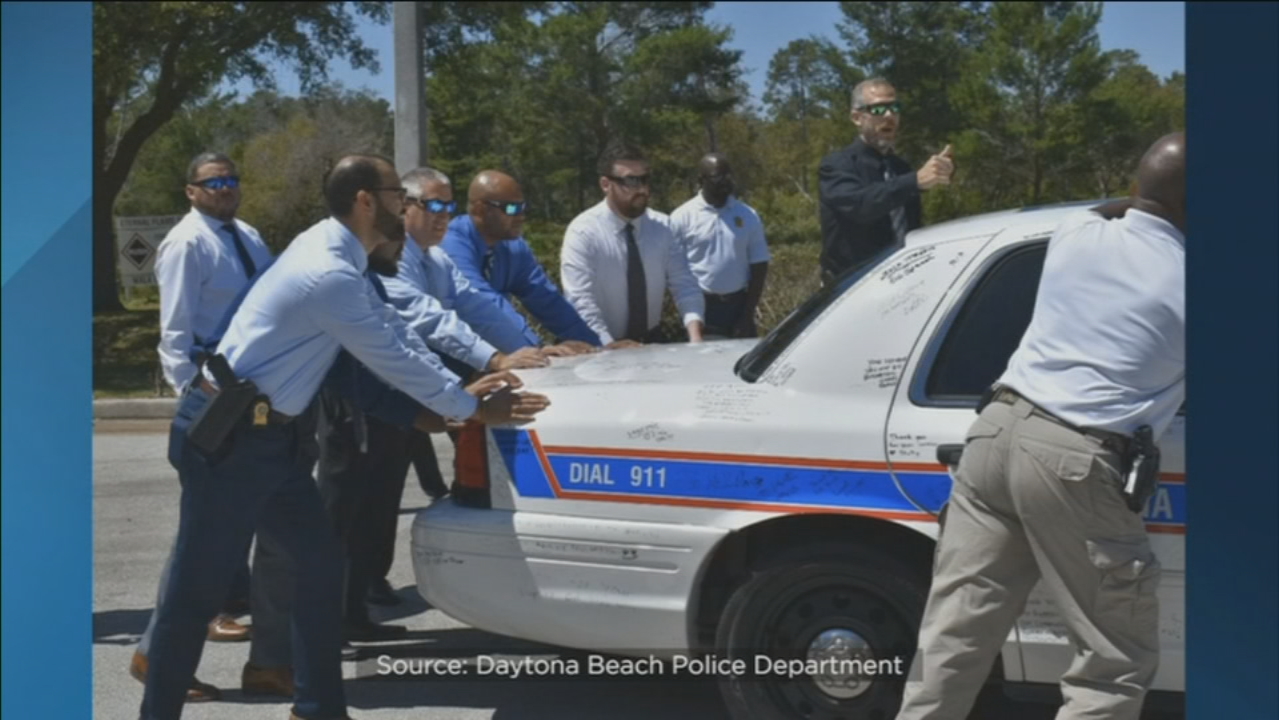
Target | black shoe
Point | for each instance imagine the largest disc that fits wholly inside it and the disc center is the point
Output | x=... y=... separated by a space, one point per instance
x=381 y=593
x=369 y=631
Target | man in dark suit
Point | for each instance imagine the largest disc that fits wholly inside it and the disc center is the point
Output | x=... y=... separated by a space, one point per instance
x=869 y=197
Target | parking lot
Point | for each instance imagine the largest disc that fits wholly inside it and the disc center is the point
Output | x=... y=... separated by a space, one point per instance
x=135 y=518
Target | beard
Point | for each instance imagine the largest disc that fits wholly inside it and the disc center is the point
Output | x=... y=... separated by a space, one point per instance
x=383 y=265
x=390 y=225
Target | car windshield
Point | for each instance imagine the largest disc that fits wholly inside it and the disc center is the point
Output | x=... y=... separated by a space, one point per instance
x=751 y=366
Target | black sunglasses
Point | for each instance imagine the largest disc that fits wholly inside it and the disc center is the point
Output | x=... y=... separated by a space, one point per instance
x=434 y=205
x=217 y=183
x=632 y=182
x=883 y=108
x=510 y=208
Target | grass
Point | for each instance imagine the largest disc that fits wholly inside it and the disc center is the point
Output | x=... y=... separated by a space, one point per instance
x=127 y=365
x=125 y=361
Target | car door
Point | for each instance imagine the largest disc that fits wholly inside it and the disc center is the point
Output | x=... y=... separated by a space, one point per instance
x=963 y=352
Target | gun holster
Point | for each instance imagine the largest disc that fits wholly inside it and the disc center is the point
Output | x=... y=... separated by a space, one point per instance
x=1141 y=469
x=211 y=428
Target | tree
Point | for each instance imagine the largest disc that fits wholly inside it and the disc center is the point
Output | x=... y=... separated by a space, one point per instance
x=922 y=49
x=540 y=92
x=1024 y=94
x=155 y=58
x=808 y=81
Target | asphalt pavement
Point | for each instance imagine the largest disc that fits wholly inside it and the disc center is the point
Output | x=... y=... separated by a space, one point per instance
x=135 y=519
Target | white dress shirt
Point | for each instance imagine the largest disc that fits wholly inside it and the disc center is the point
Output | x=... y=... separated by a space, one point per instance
x=721 y=243
x=1106 y=347
x=316 y=299
x=593 y=263
x=199 y=273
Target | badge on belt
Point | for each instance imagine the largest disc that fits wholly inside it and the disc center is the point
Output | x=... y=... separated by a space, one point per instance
x=261 y=411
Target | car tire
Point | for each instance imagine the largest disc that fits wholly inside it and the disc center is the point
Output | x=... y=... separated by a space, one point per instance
x=821 y=591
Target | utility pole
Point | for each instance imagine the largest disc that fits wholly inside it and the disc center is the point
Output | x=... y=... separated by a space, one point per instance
x=410 y=87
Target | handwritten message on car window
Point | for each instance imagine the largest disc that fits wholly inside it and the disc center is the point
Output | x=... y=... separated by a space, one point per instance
x=884 y=371
x=907 y=265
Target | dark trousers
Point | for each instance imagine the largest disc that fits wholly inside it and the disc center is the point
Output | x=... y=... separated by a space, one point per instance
x=723 y=312
x=238 y=595
x=403 y=448
x=263 y=482
x=361 y=491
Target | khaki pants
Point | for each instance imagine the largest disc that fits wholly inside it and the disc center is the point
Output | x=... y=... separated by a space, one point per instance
x=1033 y=499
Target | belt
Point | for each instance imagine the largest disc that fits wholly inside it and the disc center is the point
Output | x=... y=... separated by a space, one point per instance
x=727 y=296
x=1117 y=442
x=273 y=417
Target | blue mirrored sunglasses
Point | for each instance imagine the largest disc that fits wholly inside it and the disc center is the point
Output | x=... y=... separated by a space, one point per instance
x=510 y=208
x=217 y=183
x=434 y=205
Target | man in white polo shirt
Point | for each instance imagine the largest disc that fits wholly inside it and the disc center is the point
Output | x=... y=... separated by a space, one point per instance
x=723 y=239
x=1040 y=487
x=618 y=260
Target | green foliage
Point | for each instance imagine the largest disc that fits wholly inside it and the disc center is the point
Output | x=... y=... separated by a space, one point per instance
x=152 y=60
x=1034 y=110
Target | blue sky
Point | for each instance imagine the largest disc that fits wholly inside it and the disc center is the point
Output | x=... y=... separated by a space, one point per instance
x=1156 y=30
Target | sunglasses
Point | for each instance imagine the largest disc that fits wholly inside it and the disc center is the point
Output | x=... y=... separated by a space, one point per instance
x=510 y=208
x=632 y=182
x=217 y=183
x=433 y=205
x=883 y=108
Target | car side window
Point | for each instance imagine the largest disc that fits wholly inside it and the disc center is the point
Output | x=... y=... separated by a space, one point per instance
x=988 y=328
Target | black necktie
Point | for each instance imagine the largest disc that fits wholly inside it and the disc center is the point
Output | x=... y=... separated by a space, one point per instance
x=488 y=267
x=379 y=287
x=357 y=415
x=636 y=290
x=898 y=214
x=243 y=252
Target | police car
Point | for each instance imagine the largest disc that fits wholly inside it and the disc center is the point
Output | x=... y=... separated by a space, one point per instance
x=776 y=497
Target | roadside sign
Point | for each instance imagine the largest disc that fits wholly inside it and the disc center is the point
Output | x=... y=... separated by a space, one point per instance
x=137 y=239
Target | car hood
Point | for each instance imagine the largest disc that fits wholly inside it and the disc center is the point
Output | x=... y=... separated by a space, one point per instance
x=683 y=364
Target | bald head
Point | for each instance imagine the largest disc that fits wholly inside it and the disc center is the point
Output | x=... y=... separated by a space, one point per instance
x=491 y=195
x=713 y=164
x=492 y=185
x=1161 y=180
x=716 y=178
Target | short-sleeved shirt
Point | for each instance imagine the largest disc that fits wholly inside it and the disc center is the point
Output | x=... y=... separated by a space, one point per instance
x=1106 y=346
x=721 y=243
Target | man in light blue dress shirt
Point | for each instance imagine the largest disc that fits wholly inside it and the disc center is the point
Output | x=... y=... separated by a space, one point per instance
x=487 y=247
x=203 y=262
x=363 y=459
x=314 y=301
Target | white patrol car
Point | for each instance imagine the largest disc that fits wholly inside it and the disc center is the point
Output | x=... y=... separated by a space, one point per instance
x=778 y=497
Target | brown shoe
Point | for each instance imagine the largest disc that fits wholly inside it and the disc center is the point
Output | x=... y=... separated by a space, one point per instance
x=224 y=628
x=267 y=681
x=198 y=692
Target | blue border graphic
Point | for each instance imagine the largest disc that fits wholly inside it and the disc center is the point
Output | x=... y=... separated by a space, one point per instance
x=47 y=369
x=1232 y=57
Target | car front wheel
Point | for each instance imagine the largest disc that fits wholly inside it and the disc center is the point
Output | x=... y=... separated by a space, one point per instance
x=827 y=631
